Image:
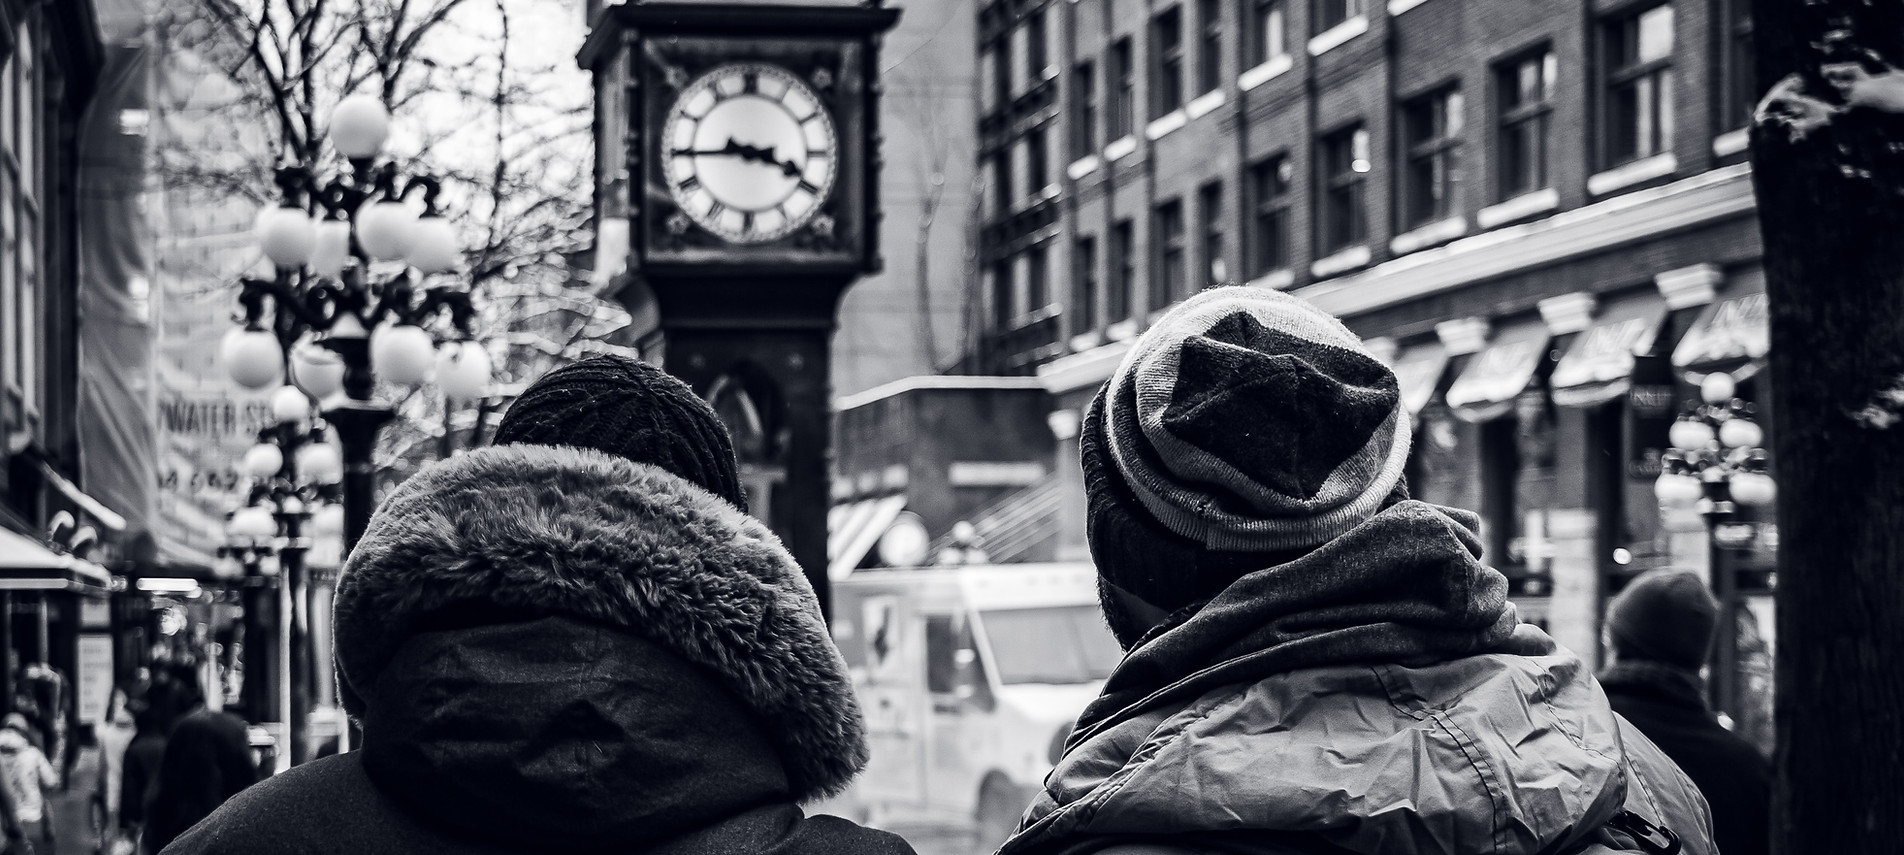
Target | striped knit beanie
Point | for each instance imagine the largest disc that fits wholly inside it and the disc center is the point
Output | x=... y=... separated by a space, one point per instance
x=628 y=408
x=1245 y=428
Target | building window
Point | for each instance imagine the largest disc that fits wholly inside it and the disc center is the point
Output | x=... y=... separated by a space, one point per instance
x=1036 y=43
x=1268 y=31
x=1431 y=134
x=1639 y=85
x=1269 y=216
x=1002 y=72
x=1345 y=168
x=1210 y=214
x=1332 y=12
x=1004 y=289
x=1124 y=94
x=1167 y=236
x=1166 y=50
x=1002 y=167
x=1741 y=87
x=1210 y=53
x=1123 y=271
x=1084 y=284
x=1525 y=87
x=1084 y=110
x=1037 y=280
x=1037 y=162
x=22 y=196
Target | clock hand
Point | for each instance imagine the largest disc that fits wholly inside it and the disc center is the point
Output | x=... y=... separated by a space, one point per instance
x=732 y=147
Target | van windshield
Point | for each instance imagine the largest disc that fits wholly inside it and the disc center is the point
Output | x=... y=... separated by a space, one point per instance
x=1060 y=644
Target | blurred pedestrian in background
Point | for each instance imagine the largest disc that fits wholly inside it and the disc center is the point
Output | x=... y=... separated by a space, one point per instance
x=207 y=761
x=27 y=775
x=168 y=694
x=575 y=643
x=1660 y=630
x=115 y=733
x=1316 y=662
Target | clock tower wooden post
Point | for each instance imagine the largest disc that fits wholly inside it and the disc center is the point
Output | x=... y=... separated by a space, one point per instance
x=739 y=142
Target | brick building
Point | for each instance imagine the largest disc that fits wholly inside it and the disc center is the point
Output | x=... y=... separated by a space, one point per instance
x=1508 y=198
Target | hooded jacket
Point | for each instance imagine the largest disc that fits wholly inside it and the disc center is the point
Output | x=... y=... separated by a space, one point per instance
x=1376 y=695
x=28 y=774
x=553 y=649
x=1668 y=704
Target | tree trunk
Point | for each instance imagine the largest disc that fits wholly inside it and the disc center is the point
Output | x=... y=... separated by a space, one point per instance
x=1829 y=177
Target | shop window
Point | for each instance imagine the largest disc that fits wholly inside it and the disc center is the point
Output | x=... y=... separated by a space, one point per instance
x=1166 y=51
x=1637 y=113
x=1004 y=284
x=1524 y=91
x=1036 y=46
x=1431 y=135
x=1037 y=282
x=1037 y=161
x=1739 y=84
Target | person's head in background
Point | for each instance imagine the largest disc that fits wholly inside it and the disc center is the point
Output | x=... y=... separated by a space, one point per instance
x=1666 y=617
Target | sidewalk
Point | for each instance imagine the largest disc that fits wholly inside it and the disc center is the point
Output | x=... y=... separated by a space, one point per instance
x=72 y=810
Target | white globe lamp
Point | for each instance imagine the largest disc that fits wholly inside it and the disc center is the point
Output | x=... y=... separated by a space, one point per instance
x=252 y=523
x=262 y=461
x=386 y=230
x=462 y=370
x=287 y=236
x=289 y=405
x=252 y=358
x=1674 y=489
x=1717 y=388
x=316 y=369
x=328 y=521
x=433 y=248
x=359 y=126
x=332 y=248
x=402 y=354
x=1690 y=434
x=1740 y=433
x=321 y=463
x=1754 y=489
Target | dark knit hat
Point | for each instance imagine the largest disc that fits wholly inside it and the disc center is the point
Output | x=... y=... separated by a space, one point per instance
x=631 y=409
x=1245 y=428
x=1664 y=616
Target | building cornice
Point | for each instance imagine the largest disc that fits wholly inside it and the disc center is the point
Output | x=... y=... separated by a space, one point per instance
x=1715 y=195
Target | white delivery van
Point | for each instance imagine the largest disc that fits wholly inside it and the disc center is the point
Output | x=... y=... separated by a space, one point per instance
x=970 y=678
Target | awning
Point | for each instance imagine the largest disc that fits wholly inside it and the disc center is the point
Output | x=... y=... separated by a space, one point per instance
x=1598 y=366
x=858 y=532
x=1418 y=372
x=27 y=566
x=1730 y=332
x=1487 y=386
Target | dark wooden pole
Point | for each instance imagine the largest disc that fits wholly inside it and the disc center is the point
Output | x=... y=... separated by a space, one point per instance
x=1829 y=177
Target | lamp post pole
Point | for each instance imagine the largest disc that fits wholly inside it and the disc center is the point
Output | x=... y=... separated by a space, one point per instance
x=1722 y=690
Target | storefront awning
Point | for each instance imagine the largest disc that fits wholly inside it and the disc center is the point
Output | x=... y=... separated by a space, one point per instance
x=1487 y=386
x=1598 y=366
x=1418 y=371
x=1731 y=331
x=28 y=566
x=859 y=529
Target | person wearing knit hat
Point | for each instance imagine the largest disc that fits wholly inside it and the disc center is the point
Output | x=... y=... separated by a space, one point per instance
x=1315 y=661
x=630 y=409
x=1660 y=631
x=575 y=641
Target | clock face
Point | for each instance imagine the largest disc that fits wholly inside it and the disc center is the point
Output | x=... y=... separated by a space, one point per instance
x=750 y=152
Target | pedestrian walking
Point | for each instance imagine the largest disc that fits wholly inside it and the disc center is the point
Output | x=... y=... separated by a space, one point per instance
x=207 y=761
x=1316 y=662
x=1660 y=630
x=577 y=642
x=27 y=775
x=115 y=733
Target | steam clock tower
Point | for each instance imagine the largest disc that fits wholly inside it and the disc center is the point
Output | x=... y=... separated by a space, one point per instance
x=737 y=150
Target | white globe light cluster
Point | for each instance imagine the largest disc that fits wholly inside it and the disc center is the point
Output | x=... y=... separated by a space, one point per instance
x=252 y=358
x=252 y=523
x=1725 y=454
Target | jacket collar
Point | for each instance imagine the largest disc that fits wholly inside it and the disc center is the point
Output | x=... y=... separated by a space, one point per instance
x=1657 y=680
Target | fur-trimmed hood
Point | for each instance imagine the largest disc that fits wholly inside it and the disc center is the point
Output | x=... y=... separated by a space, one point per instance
x=538 y=531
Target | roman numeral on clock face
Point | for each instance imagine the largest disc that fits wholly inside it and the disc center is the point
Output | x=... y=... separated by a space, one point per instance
x=746 y=221
x=689 y=183
x=715 y=209
x=750 y=83
x=809 y=187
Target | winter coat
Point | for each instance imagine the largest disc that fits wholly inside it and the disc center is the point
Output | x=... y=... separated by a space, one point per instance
x=1377 y=695
x=570 y=653
x=27 y=775
x=207 y=761
x=141 y=773
x=1666 y=704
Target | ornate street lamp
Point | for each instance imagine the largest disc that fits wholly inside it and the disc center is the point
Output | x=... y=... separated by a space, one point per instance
x=1717 y=464
x=344 y=328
